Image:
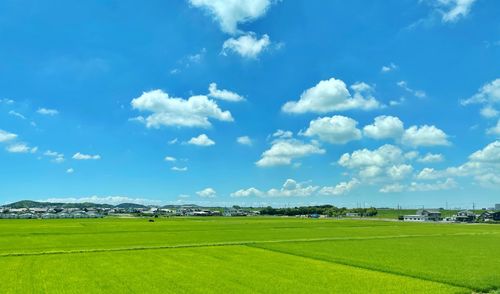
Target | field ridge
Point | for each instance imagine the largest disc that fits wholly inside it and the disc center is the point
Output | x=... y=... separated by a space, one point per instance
x=235 y=243
x=374 y=269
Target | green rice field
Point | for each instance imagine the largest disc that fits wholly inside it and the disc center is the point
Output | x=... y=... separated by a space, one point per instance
x=247 y=255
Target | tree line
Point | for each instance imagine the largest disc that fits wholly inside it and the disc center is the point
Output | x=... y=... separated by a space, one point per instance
x=329 y=210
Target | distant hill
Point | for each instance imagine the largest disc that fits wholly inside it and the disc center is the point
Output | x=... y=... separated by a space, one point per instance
x=130 y=205
x=32 y=204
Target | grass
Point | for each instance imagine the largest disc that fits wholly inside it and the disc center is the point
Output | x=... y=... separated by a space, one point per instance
x=268 y=255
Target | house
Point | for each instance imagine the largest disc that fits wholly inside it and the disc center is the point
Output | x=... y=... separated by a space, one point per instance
x=465 y=216
x=489 y=216
x=423 y=215
x=352 y=214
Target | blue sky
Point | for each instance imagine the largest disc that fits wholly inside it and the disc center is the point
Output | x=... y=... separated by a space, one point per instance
x=223 y=102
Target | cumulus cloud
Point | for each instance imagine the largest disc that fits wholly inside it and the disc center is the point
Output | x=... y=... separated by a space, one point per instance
x=223 y=94
x=384 y=127
x=292 y=189
x=495 y=130
x=70 y=170
x=340 y=189
x=21 y=148
x=169 y=111
x=247 y=46
x=335 y=130
x=399 y=172
x=386 y=163
x=247 y=193
x=207 y=193
x=489 y=96
x=6 y=136
x=431 y=158
x=481 y=164
x=285 y=149
x=392 y=188
x=425 y=136
x=179 y=169
x=439 y=185
x=201 y=140
x=47 y=111
x=383 y=156
x=230 y=13
x=244 y=140
x=81 y=156
x=333 y=95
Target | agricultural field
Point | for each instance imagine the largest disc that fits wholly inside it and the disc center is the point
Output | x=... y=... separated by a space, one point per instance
x=247 y=255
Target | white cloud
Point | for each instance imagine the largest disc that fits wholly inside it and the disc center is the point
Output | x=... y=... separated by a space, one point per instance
x=168 y=111
x=388 y=68
x=481 y=164
x=392 y=188
x=179 y=169
x=7 y=101
x=247 y=193
x=283 y=150
x=223 y=94
x=201 y=140
x=340 y=189
x=70 y=171
x=429 y=174
x=21 y=148
x=292 y=189
x=333 y=95
x=489 y=95
x=383 y=156
x=170 y=158
x=173 y=141
x=336 y=129
x=431 y=158
x=489 y=154
x=384 y=127
x=244 y=140
x=447 y=184
x=80 y=156
x=247 y=46
x=207 y=193
x=113 y=200
x=282 y=134
x=453 y=10
x=416 y=93
x=6 y=136
x=489 y=112
x=230 y=13
x=399 y=172
x=425 y=136
x=56 y=157
x=494 y=130
x=47 y=111
x=16 y=114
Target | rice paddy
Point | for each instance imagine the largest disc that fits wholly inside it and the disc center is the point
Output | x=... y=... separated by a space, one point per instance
x=246 y=255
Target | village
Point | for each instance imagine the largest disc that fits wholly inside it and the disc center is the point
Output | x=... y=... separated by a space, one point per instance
x=58 y=211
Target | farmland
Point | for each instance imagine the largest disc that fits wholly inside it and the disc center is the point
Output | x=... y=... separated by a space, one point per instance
x=186 y=255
